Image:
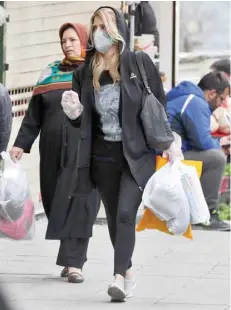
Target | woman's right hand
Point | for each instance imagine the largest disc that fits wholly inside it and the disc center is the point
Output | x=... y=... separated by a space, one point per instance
x=16 y=153
x=71 y=104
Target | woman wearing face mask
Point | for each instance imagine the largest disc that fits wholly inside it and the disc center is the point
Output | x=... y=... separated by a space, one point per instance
x=108 y=90
x=58 y=148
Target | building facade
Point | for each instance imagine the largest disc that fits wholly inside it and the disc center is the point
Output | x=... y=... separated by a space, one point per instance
x=31 y=35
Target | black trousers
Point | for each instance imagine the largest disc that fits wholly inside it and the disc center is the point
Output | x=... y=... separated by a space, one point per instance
x=121 y=198
x=73 y=253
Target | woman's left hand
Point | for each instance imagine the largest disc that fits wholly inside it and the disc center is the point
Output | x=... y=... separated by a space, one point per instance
x=71 y=104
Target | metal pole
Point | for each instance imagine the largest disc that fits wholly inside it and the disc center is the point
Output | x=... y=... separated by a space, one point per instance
x=132 y=26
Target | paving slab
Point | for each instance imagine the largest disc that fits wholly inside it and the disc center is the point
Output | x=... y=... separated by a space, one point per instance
x=171 y=273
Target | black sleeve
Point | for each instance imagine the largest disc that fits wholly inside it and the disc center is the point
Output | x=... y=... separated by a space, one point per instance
x=31 y=124
x=5 y=118
x=154 y=80
x=77 y=87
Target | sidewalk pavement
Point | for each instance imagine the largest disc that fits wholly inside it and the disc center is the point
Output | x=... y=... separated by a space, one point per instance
x=172 y=273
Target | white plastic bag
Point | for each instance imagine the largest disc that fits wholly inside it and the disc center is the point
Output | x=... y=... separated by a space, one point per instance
x=163 y=192
x=199 y=211
x=174 y=193
x=179 y=225
x=198 y=207
x=164 y=195
x=17 y=216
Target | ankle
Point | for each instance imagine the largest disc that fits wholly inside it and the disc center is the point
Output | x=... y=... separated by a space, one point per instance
x=73 y=269
x=129 y=274
x=119 y=277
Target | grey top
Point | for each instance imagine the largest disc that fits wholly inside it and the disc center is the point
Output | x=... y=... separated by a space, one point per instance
x=107 y=105
x=5 y=118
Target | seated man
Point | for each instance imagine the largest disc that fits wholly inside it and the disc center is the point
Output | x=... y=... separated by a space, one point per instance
x=189 y=107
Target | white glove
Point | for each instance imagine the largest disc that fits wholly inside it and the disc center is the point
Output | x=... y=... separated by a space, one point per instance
x=174 y=152
x=71 y=104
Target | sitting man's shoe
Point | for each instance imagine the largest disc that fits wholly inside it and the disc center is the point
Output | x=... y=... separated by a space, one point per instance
x=216 y=223
x=64 y=273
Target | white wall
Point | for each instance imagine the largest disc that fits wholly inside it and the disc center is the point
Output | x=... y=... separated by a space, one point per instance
x=163 y=11
x=31 y=36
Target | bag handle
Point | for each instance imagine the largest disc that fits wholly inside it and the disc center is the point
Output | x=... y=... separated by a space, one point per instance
x=140 y=65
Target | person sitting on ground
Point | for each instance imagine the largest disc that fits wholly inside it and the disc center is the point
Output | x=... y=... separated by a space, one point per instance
x=189 y=108
x=220 y=119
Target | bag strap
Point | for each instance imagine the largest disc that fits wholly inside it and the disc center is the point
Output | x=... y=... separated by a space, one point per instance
x=140 y=65
x=187 y=101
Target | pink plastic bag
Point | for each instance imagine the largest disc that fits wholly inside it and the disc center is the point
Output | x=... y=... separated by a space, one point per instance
x=17 y=216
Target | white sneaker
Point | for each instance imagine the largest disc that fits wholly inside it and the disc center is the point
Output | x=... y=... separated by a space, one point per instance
x=129 y=286
x=116 y=291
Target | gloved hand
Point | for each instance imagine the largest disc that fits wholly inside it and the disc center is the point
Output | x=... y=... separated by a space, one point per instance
x=71 y=104
x=174 y=152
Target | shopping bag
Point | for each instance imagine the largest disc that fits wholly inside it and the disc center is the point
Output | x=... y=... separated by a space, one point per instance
x=149 y=220
x=164 y=193
x=199 y=211
x=17 y=215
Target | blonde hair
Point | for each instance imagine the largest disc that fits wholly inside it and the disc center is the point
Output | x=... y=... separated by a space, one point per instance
x=98 y=62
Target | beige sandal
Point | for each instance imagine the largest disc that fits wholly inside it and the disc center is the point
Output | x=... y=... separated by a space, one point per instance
x=64 y=273
x=75 y=277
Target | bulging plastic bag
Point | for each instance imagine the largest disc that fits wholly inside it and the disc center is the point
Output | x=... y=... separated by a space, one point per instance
x=163 y=192
x=199 y=211
x=149 y=220
x=164 y=195
x=179 y=225
x=17 y=216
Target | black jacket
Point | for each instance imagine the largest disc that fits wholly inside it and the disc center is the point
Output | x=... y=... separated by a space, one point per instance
x=140 y=159
x=145 y=21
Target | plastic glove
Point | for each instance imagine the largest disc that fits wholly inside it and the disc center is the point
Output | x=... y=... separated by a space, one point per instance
x=174 y=152
x=71 y=104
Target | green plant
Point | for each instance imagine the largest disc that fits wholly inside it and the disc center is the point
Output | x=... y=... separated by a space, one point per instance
x=225 y=212
x=227 y=170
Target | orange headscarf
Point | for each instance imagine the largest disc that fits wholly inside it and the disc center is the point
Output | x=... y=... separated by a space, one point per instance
x=81 y=31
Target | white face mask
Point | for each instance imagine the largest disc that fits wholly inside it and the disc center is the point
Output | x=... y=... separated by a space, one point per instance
x=102 y=41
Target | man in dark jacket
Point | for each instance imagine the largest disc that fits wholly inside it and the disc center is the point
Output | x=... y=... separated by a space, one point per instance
x=145 y=21
x=189 y=107
x=5 y=118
